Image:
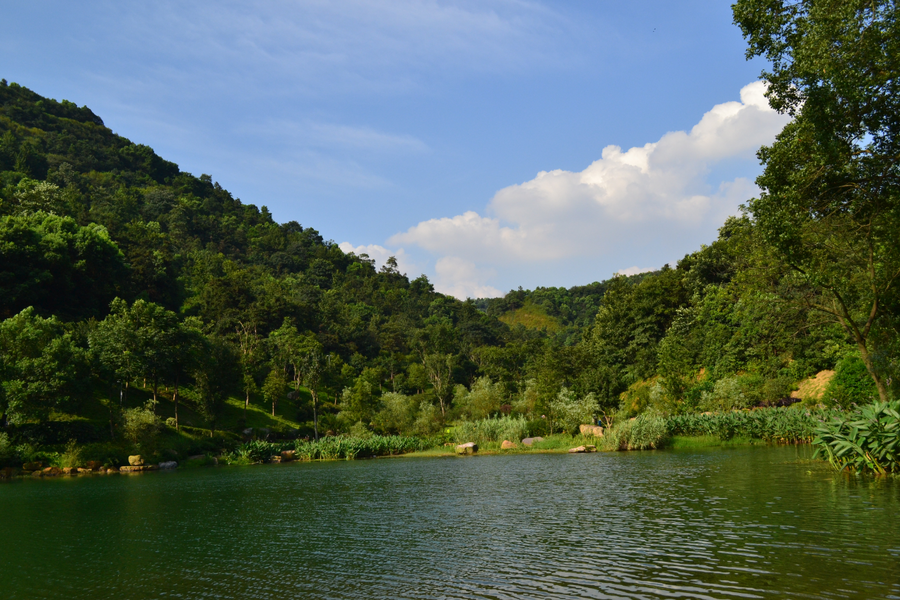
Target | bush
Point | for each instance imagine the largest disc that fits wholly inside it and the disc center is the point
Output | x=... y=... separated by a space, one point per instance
x=851 y=384
x=567 y=412
x=71 y=458
x=866 y=440
x=141 y=426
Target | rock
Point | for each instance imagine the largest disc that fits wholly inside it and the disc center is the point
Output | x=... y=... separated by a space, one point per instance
x=467 y=448
x=530 y=440
x=592 y=430
x=112 y=470
x=7 y=473
x=70 y=470
x=508 y=445
x=51 y=472
x=36 y=473
x=85 y=470
x=577 y=450
x=169 y=464
x=288 y=455
x=135 y=460
x=93 y=465
x=248 y=432
x=590 y=448
x=33 y=466
x=275 y=458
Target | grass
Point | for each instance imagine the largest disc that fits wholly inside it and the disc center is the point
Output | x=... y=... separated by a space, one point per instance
x=531 y=316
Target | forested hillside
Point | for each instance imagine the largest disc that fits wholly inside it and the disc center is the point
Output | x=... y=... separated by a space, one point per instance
x=136 y=297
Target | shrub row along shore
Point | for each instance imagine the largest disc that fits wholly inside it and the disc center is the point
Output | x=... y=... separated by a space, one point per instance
x=865 y=440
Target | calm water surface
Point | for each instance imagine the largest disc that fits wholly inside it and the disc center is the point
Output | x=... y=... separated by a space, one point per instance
x=723 y=523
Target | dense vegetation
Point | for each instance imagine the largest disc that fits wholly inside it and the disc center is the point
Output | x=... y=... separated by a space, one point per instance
x=141 y=306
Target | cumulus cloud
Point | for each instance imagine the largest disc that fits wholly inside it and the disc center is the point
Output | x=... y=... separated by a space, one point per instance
x=652 y=195
x=380 y=254
x=463 y=279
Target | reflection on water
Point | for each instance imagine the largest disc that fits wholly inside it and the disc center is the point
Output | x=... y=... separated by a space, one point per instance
x=724 y=523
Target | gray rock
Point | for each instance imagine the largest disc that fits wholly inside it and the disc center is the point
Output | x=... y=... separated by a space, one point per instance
x=530 y=440
x=169 y=464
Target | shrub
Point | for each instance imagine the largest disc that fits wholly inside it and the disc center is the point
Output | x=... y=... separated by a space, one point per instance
x=851 y=384
x=71 y=457
x=141 y=426
x=866 y=440
x=567 y=412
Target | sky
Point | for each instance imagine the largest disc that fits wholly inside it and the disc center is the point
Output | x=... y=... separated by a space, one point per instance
x=490 y=145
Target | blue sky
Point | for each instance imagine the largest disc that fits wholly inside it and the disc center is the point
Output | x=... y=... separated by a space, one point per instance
x=476 y=141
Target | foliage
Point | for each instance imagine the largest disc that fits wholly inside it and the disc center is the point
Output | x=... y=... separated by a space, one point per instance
x=866 y=440
x=41 y=367
x=777 y=424
x=851 y=384
x=567 y=411
x=141 y=427
x=512 y=428
x=328 y=448
x=645 y=432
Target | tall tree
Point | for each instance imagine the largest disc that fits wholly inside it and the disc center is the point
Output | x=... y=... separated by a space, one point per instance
x=830 y=201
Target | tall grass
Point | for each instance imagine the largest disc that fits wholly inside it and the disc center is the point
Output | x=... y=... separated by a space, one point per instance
x=492 y=430
x=645 y=432
x=783 y=425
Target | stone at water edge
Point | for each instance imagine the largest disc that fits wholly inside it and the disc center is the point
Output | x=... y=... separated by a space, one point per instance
x=530 y=440
x=136 y=460
x=169 y=464
x=467 y=448
x=508 y=445
x=33 y=466
x=577 y=450
x=93 y=465
x=593 y=430
x=288 y=455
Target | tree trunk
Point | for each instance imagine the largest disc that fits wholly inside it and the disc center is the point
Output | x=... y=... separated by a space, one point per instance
x=315 y=399
x=175 y=400
x=870 y=367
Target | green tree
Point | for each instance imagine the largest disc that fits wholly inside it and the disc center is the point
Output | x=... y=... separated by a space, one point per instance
x=143 y=340
x=41 y=367
x=830 y=201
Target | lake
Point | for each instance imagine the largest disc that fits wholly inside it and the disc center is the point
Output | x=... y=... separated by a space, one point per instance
x=753 y=522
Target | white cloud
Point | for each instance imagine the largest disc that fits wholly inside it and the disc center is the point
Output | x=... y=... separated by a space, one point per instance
x=380 y=254
x=463 y=279
x=657 y=196
x=635 y=270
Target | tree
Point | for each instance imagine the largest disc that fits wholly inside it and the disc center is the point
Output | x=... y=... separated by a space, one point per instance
x=307 y=360
x=217 y=375
x=141 y=340
x=41 y=368
x=830 y=201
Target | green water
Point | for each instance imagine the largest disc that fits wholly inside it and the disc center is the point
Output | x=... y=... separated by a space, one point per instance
x=751 y=522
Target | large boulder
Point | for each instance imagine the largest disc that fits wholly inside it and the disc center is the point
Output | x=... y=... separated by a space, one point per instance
x=591 y=430
x=136 y=460
x=530 y=440
x=168 y=464
x=467 y=448
x=508 y=445
x=288 y=455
